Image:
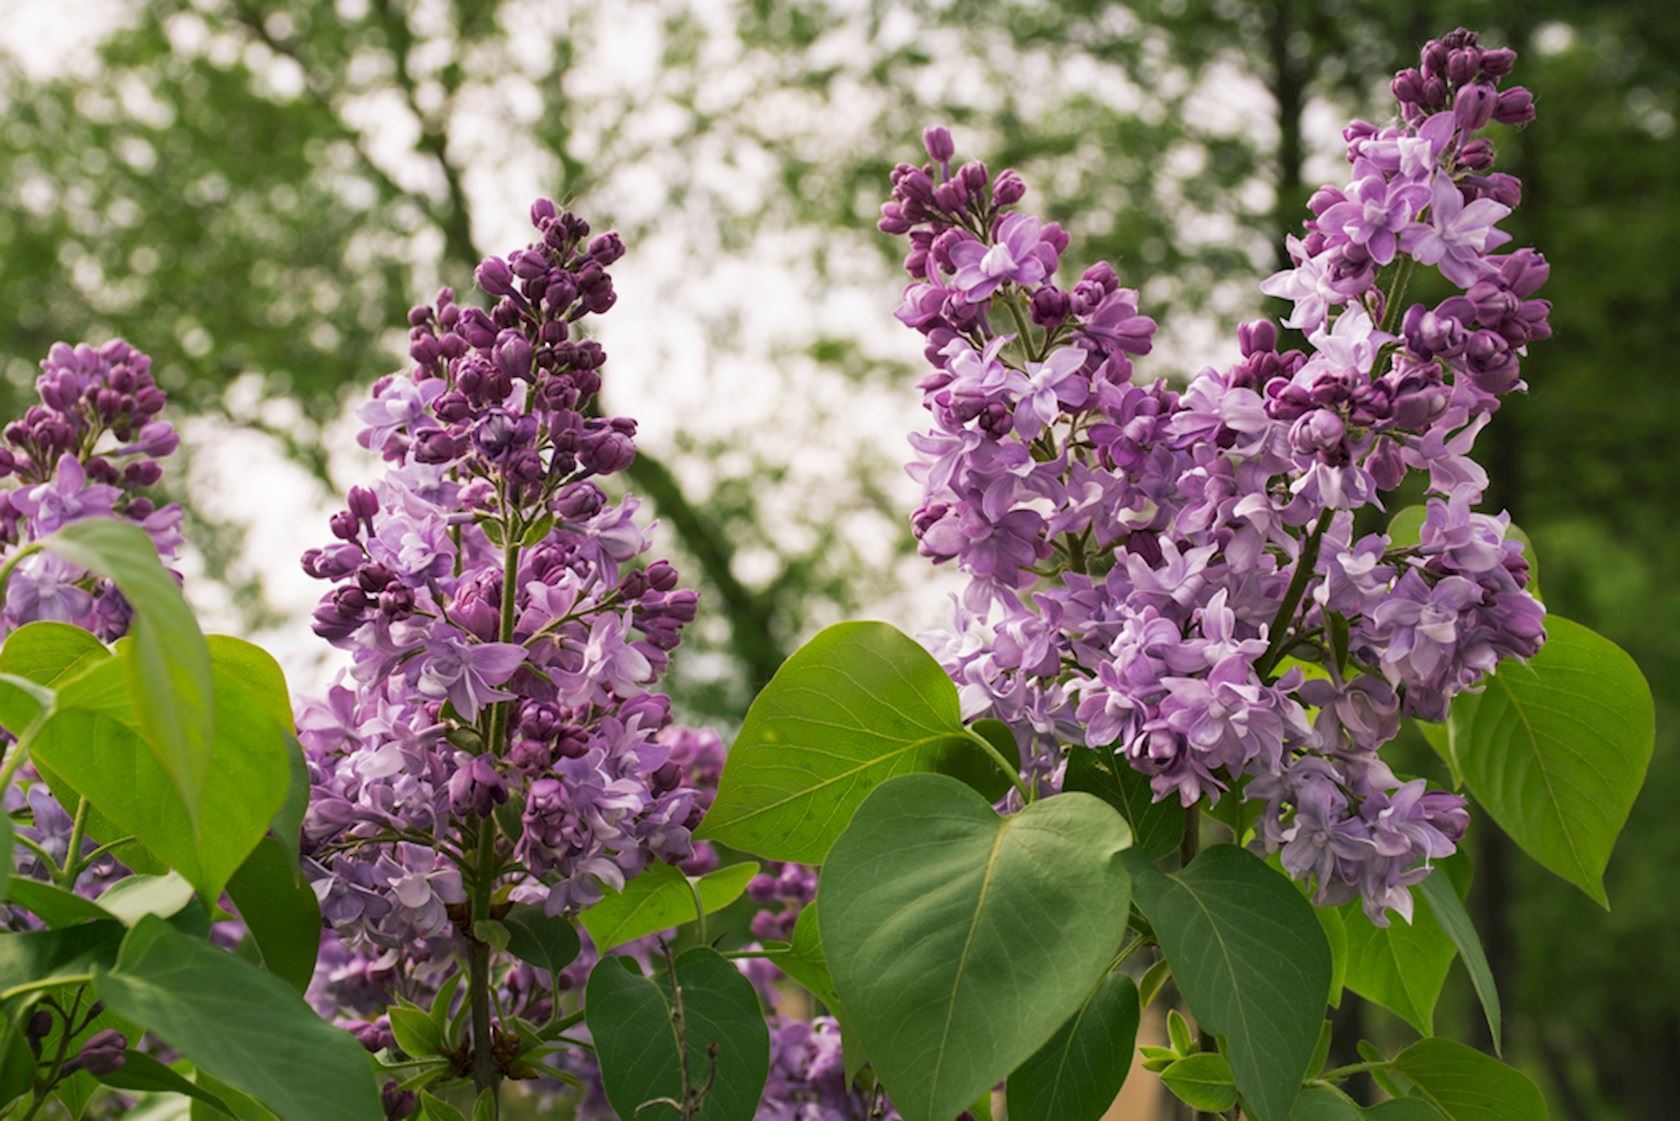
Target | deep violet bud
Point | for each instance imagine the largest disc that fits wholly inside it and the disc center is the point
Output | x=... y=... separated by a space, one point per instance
x=1515 y=106
x=494 y=276
x=940 y=147
x=1008 y=188
x=607 y=247
x=1051 y=306
x=363 y=503
x=477 y=787
x=398 y=1104
x=1473 y=106
x=103 y=1053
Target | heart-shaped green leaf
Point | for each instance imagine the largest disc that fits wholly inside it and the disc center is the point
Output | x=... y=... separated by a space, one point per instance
x=1404 y=965
x=1078 y=1073
x=1328 y=1105
x=1466 y=1085
x=630 y=1020
x=1556 y=749
x=1202 y=1081
x=546 y=941
x=858 y=704
x=91 y=746
x=942 y=921
x=1251 y=961
x=660 y=898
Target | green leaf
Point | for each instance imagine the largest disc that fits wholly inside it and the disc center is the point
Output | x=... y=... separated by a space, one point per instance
x=537 y=938
x=1466 y=1085
x=855 y=706
x=659 y=899
x=39 y=956
x=436 y=1109
x=134 y=897
x=53 y=905
x=169 y=674
x=1402 y=966
x=1202 y=1081
x=1078 y=1073
x=1444 y=903
x=942 y=921
x=484 y=1109
x=1252 y=963
x=7 y=839
x=287 y=825
x=91 y=746
x=1157 y=827
x=416 y=1033
x=143 y=1074
x=1336 y=937
x=280 y=910
x=240 y=1024
x=1556 y=748
x=804 y=960
x=1329 y=1105
x=629 y=1019
x=47 y=654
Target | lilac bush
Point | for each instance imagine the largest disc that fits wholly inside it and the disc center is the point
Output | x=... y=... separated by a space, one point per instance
x=1148 y=565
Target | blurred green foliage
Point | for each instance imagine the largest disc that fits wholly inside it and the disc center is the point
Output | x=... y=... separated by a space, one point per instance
x=206 y=191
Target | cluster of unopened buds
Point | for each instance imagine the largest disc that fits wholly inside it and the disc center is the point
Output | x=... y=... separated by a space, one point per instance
x=1174 y=574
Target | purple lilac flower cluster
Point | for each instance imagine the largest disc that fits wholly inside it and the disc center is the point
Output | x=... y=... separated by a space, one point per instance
x=1177 y=574
x=90 y=447
x=503 y=631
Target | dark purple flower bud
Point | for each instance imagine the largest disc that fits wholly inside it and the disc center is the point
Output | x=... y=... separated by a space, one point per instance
x=579 y=502
x=940 y=147
x=396 y=602
x=39 y=1027
x=606 y=450
x=1407 y=87
x=1257 y=337
x=438 y=446
x=476 y=327
x=1473 y=106
x=423 y=347
x=419 y=315
x=345 y=526
x=363 y=503
x=1515 y=106
x=477 y=787
x=1497 y=61
x=543 y=211
x=1008 y=188
x=398 y=1104
x=1051 y=306
x=1478 y=155
x=1319 y=432
x=494 y=276
x=1462 y=65
x=143 y=473
x=513 y=355
x=607 y=248
x=529 y=264
x=103 y=1053
x=373 y=1035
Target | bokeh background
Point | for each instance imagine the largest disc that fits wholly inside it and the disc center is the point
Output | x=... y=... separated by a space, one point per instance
x=254 y=191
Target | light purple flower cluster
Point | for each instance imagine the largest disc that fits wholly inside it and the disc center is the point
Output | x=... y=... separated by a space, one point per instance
x=503 y=630
x=89 y=448
x=1176 y=575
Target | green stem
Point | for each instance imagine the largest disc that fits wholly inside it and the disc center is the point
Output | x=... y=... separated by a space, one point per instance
x=1396 y=290
x=1352 y=1069
x=1004 y=765
x=73 y=863
x=699 y=908
x=1285 y=616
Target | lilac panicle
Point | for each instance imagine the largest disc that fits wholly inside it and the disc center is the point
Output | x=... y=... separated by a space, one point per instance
x=504 y=629
x=1173 y=574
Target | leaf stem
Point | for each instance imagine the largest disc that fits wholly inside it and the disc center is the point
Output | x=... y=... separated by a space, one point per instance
x=1004 y=765
x=1304 y=565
